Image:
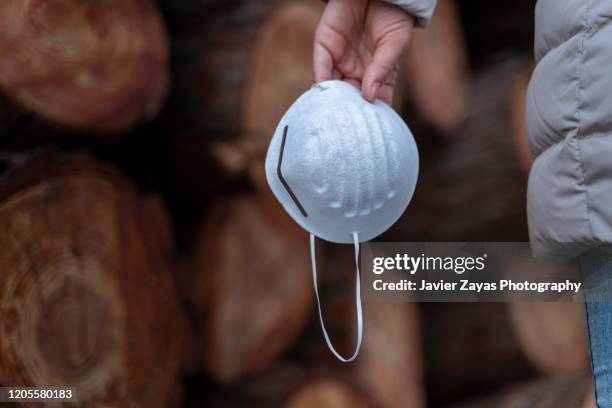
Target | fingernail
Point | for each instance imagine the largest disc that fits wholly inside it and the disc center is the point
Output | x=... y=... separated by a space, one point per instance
x=375 y=88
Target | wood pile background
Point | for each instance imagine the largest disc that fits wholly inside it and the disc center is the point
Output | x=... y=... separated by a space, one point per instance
x=144 y=261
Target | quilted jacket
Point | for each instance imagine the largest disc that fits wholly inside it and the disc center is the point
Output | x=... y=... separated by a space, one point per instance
x=569 y=118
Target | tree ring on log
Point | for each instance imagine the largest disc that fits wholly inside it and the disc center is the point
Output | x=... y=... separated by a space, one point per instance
x=93 y=64
x=66 y=315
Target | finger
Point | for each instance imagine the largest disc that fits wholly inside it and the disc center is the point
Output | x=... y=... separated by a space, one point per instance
x=384 y=62
x=388 y=87
x=385 y=94
x=323 y=63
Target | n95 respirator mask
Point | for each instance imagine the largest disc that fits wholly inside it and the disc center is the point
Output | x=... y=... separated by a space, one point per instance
x=343 y=168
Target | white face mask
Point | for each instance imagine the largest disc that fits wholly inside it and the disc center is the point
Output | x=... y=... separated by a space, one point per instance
x=343 y=168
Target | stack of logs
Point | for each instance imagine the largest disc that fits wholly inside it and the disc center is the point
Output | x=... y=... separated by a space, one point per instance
x=96 y=294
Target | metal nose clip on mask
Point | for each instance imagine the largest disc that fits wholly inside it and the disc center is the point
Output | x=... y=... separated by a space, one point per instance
x=344 y=169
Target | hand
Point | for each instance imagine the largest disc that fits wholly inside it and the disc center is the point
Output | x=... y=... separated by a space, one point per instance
x=361 y=41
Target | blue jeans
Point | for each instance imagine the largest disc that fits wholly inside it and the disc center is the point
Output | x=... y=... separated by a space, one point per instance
x=596 y=268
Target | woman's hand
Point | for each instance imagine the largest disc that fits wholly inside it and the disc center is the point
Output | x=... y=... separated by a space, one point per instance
x=361 y=41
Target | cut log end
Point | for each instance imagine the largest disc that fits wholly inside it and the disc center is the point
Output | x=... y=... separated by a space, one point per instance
x=251 y=287
x=326 y=393
x=393 y=377
x=553 y=336
x=84 y=302
x=99 y=65
x=280 y=67
x=437 y=69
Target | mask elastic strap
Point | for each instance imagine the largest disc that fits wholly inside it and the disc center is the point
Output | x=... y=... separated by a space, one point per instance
x=357 y=300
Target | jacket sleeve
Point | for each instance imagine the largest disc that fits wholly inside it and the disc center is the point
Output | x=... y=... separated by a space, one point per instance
x=421 y=9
